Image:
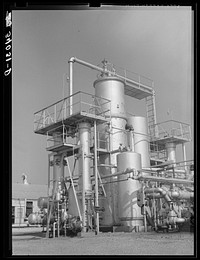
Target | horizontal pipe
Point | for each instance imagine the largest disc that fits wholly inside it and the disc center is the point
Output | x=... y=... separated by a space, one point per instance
x=162 y=179
x=181 y=195
x=74 y=59
x=159 y=192
x=159 y=170
x=128 y=170
x=173 y=194
x=154 y=196
x=179 y=220
x=162 y=164
x=162 y=192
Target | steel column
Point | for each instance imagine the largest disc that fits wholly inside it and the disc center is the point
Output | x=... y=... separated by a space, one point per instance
x=96 y=176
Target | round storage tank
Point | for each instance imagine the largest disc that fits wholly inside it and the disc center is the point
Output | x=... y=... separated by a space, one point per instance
x=34 y=218
x=128 y=211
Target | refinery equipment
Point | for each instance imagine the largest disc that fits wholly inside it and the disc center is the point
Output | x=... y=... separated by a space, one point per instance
x=109 y=169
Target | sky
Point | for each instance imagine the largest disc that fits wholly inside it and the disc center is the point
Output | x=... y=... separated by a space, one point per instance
x=154 y=42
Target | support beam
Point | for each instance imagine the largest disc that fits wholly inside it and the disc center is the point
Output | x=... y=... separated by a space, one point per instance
x=47 y=227
x=83 y=194
x=96 y=177
x=184 y=156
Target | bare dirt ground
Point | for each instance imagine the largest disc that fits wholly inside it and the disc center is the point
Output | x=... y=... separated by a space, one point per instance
x=32 y=241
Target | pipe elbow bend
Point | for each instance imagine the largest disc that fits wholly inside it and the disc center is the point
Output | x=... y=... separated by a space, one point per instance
x=72 y=59
x=161 y=191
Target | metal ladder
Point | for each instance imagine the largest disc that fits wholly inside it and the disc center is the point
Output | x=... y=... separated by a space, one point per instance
x=151 y=115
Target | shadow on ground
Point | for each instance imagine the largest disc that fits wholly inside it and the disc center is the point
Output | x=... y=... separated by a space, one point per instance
x=29 y=235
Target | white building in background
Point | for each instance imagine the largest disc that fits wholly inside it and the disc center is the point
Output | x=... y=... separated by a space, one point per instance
x=24 y=199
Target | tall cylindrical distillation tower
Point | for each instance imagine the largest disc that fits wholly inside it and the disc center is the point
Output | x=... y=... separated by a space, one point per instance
x=111 y=88
x=84 y=185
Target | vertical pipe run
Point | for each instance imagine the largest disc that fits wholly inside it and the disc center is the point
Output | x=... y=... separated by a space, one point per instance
x=83 y=194
x=96 y=177
x=47 y=228
x=145 y=220
x=184 y=156
x=58 y=221
x=70 y=86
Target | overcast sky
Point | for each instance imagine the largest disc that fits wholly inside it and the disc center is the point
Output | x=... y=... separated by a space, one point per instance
x=156 y=43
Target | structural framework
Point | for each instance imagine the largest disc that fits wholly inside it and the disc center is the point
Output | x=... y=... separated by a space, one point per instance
x=108 y=169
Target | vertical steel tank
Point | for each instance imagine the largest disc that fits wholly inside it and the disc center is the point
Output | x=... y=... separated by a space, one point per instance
x=111 y=88
x=128 y=210
x=84 y=183
x=140 y=137
x=84 y=157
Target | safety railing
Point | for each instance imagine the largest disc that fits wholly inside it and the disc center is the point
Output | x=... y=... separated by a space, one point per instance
x=140 y=79
x=172 y=128
x=103 y=140
x=60 y=136
x=157 y=152
x=61 y=110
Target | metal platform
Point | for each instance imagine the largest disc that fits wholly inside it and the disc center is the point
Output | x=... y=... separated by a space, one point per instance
x=72 y=121
x=85 y=107
x=137 y=91
x=100 y=151
x=169 y=139
x=171 y=131
x=70 y=149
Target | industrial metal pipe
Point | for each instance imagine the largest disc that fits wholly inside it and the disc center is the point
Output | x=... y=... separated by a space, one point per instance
x=154 y=196
x=160 y=169
x=184 y=156
x=161 y=179
x=166 y=195
x=74 y=59
x=96 y=176
x=181 y=195
x=70 y=85
x=162 y=192
x=128 y=170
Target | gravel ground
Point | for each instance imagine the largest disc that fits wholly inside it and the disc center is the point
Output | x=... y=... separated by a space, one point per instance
x=32 y=241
